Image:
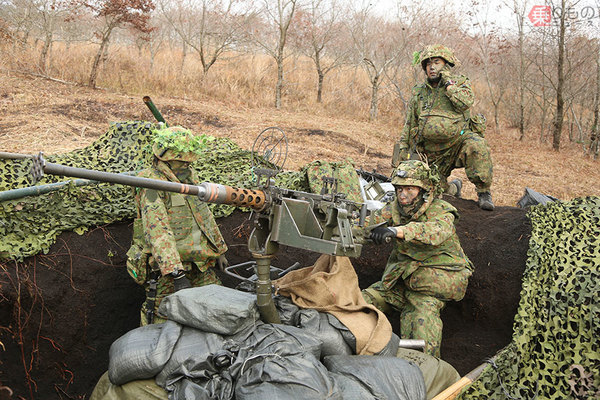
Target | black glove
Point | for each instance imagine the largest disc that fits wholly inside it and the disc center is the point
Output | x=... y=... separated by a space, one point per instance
x=180 y=280
x=222 y=262
x=381 y=233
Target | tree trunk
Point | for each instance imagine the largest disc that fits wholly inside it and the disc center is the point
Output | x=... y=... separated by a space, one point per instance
x=560 y=104
x=45 y=51
x=496 y=112
x=183 y=56
x=374 y=99
x=279 y=85
x=320 y=86
x=594 y=136
x=97 y=59
x=521 y=84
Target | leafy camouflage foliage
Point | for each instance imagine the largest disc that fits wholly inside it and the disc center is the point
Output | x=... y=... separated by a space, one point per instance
x=554 y=352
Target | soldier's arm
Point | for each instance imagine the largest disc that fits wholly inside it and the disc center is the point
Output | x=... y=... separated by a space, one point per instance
x=382 y=215
x=433 y=232
x=411 y=122
x=157 y=231
x=461 y=94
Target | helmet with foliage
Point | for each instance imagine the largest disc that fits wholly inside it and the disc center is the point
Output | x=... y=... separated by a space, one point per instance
x=435 y=50
x=178 y=144
x=415 y=173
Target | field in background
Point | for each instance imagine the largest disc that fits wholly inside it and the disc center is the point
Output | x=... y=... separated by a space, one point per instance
x=235 y=100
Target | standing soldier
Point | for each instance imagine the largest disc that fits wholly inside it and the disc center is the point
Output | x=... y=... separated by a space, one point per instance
x=176 y=241
x=439 y=126
x=427 y=267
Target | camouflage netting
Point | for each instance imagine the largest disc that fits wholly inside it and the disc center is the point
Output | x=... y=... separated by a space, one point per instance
x=554 y=353
x=31 y=224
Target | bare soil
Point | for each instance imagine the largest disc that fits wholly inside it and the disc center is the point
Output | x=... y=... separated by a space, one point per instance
x=73 y=302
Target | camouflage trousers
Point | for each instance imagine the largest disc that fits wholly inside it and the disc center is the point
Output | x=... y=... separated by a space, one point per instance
x=165 y=287
x=419 y=299
x=472 y=154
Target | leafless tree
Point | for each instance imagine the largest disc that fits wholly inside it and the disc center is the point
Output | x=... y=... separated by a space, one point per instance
x=272 y=38
x=209 y=27
x=376 y=48
x=492 y=52
x=114 y=14
x=50 y=16
x=20 y=17
x=320 y=34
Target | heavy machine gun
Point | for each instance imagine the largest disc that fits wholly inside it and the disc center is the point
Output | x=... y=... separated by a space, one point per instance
x=325 y=223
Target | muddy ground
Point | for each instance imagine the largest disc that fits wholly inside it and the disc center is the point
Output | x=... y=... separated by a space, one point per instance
x=59 y=312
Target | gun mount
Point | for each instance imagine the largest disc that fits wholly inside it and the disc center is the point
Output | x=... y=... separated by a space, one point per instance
x=326 y=223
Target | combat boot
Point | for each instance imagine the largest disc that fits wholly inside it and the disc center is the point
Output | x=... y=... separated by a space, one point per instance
x=485 y=201
x=455 y=188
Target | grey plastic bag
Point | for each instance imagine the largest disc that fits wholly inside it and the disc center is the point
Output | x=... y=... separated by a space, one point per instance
x=319 y=325
x=142 y=353
x=384 y=377
x=190 y=357
x=212 y=308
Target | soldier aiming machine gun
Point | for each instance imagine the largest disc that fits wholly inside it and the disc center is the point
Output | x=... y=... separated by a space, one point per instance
x=326 y=223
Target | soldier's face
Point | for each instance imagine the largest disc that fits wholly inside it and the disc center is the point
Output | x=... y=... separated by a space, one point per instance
x=433 y=67
x=407 y=194
x=178 y=165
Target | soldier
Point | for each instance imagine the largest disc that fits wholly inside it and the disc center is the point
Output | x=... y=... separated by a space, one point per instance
x=439 y=126
x=176 y=241
x=427 y=267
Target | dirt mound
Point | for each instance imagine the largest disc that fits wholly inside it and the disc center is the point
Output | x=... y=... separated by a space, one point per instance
x=59 y=312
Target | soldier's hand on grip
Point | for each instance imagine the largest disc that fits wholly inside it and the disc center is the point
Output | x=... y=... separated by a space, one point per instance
x=222 y=262
x=180 y=281
x=382 y=234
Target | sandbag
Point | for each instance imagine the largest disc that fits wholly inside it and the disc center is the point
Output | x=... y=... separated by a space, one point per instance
x=287 y=310
x=349 y=388
x=318 y=325
x=299 y=376
x=391 y=348
x=384 y=377
x=190 y=357
x=142 y=352
x=281 y=362
x=212 y=308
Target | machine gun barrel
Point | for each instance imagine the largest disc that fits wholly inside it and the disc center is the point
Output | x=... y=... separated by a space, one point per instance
x=207 y=192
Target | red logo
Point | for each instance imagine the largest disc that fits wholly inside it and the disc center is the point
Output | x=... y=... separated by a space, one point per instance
x=540 y=15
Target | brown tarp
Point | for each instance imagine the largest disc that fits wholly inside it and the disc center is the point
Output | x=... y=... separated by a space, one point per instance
x=331 y=286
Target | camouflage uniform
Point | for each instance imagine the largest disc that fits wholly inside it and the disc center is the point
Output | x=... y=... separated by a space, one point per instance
x=347 y=180
x=426 y=268
x=172 y=232
x=437 y=125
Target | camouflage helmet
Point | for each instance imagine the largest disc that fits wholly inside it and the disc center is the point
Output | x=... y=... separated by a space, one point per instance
x=415 y=173
x=177 y=144
x=436 y=50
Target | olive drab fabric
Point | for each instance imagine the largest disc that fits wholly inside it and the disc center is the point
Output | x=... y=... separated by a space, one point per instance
x=425 y=269
x=438 y=125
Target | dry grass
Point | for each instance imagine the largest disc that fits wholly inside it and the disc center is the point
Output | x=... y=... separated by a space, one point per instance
x=235 y=101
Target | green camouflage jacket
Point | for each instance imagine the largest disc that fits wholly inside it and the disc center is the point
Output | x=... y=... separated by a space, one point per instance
x=437 y=117
x=173 y=230
x=429 y=241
